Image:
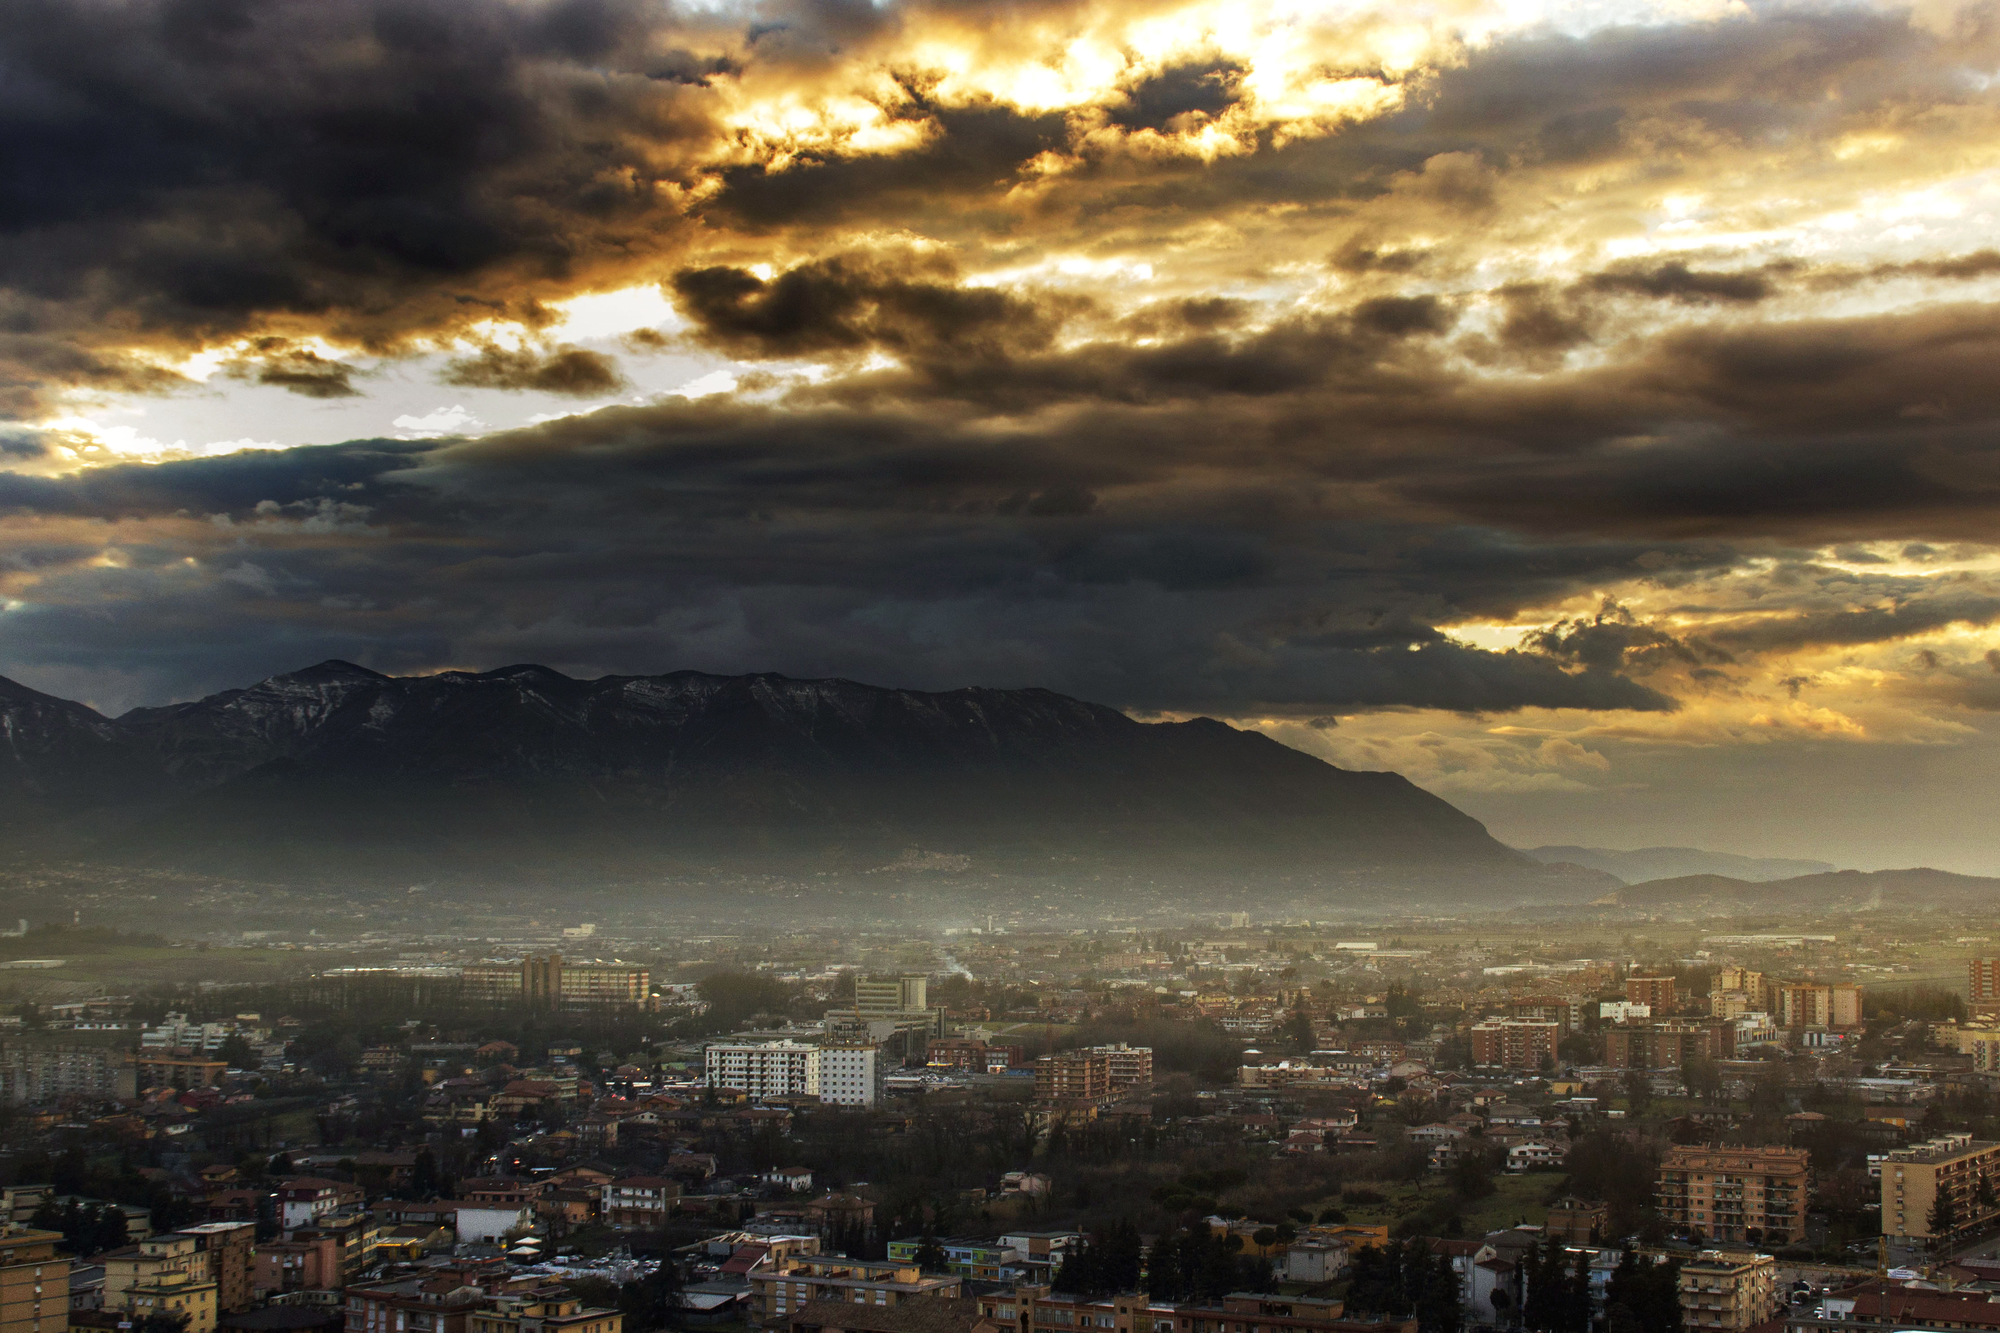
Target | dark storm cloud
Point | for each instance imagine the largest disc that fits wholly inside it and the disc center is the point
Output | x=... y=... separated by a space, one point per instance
x=200 y=164
x=299 y=370
x=878 y=547
x=576 y=372
x=909 y=305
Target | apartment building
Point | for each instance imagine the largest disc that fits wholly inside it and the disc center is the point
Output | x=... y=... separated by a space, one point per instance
x=46 y=1067
x=1126 y=1066
x=304 y=1200
x=204 y=1269
x=972 y=1055
x=1668 y=1043
x=1982 y=1044
x=967 y=1257
x=840 y=1073
x=1544 y=1009
x=439 y=1304
x=175 y=1296
x=1982 y=980
x=1729 y=1290
x=1515 y=1043
x=551 y=982
x=638 y=1202
x=547 y=1310
x=1806 y=1004
x=1954 y=1166
x=847 y=1074
x=785 y=1284
x=1753 y=1195
x=891 y=995
x=764 y=1068
x=34 y=1281
x=1072 y=1076
x=1658 y=992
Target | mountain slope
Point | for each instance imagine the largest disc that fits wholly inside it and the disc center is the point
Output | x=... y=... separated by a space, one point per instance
x=337 y=768
x=1839 y=890
x=1650 y=863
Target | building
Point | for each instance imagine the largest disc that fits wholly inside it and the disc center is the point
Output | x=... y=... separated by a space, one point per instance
x=847 y=1074
x=939 y=1316
x=441 y=1304
x=891 y=995
x=1126 y=1066
x=972 y=1055
x=1072 y=1076
x=1750 y=1195
x=641 y=1203
x=1668 y=1043
x=34 y=1281
x=304 y=1200
x=780 y=1289
x=550 y=982
x=1982 y=980
x=1954 y=1168
x=841 y=1073
x=219 y=1253
x=1729 y=1290
x=1807 y=1004
x=545 y=1310
x=966 y=1257
x=1982 y=1044
x=1544 y=1009
x=175 y=1295
x=1515 y=1043
x=46 y=1067
x=1657 y=992
x=763 y=1069
x=308 y=1264
x=1577 y=1221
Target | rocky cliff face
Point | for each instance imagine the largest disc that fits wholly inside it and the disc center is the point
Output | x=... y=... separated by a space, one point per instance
x=339 y=766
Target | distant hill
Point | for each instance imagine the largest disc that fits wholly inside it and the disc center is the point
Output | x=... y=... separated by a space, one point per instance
x=337 y=769
x=1648 y=863
x=1839 y=890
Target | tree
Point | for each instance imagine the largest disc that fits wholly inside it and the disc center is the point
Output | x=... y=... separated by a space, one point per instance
x=1943 y=1217
x=1702 y=1077
x=1440 y=1307
x=1638 y=1091
x=160 y=1322
x=930 y=1255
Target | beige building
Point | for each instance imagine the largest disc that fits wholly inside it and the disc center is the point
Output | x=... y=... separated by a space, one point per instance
x=1982 y=1044
x=34 y=1281
x=891 y=995
x=552 y=982
x=174 y=1294
x=777 y=1292
x=1072 y=1076
x=1728 y=1290
x=1752 y=1195
x=1955 y=1165
x=550 y=1310
x=1809 y=1004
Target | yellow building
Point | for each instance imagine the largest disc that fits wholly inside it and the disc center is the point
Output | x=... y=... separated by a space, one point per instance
x=777 y=1293
x=1982 y=1044
x=547 y=1309
x=1725 y=1290
x=1752 y=1195
x=1956 y=1166
x=174 y=1294
x=34 y=1282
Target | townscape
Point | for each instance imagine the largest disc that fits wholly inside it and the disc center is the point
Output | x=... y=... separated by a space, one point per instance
x=1235 y=1126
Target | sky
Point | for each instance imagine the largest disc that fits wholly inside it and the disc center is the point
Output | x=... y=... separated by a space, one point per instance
x=1586 y=409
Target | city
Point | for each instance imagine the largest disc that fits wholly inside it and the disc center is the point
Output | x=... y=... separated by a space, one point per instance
x=1461 y=1125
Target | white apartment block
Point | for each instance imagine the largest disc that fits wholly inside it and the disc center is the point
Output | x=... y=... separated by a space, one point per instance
x=850 y=1075
x=765 y=1068
x=844 y=1074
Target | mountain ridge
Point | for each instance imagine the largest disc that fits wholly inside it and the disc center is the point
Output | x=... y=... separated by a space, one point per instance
x=339 y=766
x=1642 y=864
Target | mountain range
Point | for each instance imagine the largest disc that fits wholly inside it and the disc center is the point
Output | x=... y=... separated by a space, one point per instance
x=1650 y=863
x=339 y=770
